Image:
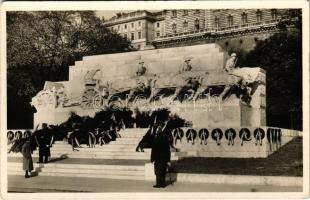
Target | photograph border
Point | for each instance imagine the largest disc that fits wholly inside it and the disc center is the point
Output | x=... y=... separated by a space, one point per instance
x=126 y=5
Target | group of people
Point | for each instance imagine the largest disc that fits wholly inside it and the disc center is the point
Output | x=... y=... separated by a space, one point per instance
x=41 y=139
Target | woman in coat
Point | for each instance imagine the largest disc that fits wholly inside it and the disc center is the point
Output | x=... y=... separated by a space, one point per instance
x=27 y=158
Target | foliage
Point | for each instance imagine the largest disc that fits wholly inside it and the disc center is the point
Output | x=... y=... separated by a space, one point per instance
x=146 y=118
x=281 y=57
x=42 y=45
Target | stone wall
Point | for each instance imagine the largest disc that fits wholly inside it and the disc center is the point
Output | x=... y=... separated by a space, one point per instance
x=161 y=62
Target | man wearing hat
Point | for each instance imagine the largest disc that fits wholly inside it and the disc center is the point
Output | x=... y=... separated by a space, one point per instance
x=231 y=62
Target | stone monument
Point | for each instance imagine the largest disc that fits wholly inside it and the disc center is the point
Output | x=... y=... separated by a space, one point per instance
x=187 y=80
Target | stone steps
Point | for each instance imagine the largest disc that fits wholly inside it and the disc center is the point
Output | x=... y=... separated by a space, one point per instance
x=138 y=156
x=78 y=170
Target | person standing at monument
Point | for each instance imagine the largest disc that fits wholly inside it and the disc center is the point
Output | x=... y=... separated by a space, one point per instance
x=27 y=158
x=160 y=155
x=44 y=141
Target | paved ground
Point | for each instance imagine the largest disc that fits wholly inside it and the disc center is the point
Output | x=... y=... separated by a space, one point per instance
x=86 y=161
x=18 y=183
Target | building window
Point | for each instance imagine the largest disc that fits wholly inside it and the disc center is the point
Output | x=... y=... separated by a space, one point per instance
x=244 y=18
x=230 y=21
x=139 y=24
x=132 y=25
x=157 y=24
x=217 y=22
x=293 y=12
x=274 y=14
x=174 y=28
x=139 y=35
x=139 y=46
x=158 y=34
x=185 y=24
x=118 y=27
x=197 y=24
x=259 y=15
x=125 y=26
x=132 y=36
x=174 y=13
x=185 y=12
x=197 y=11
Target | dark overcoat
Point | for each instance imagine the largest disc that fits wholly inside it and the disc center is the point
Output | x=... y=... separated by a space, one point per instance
x=160 y=153
x=44 y=138
x=27 y=159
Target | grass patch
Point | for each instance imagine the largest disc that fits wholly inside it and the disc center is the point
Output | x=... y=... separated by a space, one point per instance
x=287 y=161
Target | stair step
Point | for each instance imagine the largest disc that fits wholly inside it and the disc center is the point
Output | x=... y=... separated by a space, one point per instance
x=96 y=156
x=125 y=177
x=81 y=166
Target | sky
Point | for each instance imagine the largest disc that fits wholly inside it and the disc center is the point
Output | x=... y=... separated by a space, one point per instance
x=107 y=14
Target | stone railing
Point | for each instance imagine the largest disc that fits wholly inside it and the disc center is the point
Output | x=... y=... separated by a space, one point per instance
x=128 y=17
x=243 y=27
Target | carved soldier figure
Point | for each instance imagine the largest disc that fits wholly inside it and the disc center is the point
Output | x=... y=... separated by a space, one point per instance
x=187 y=65
x=141 y=69
x=231 y=62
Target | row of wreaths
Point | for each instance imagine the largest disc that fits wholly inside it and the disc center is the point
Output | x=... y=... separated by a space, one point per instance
x=273 y=134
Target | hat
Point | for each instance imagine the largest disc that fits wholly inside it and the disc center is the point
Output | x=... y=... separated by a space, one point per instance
x=233 y=55
x=188 y=59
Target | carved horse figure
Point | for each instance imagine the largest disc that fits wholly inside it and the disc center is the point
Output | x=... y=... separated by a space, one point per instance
x=143 y=86
x=179 y=83
x=246 y=79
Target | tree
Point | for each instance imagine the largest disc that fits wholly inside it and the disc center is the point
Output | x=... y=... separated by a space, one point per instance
x=281 y=57
x=42 y=45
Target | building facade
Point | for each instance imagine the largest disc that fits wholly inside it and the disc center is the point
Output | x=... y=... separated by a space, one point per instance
x=170 y=28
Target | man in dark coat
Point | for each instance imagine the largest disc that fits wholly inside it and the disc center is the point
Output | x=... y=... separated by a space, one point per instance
x=44 y=141
x=160 y=155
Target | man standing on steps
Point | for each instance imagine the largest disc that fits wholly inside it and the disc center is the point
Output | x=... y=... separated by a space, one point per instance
x=160 y=155
x=44 y=141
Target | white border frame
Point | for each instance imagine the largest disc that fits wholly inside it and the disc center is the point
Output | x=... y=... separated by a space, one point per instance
x=43 y=6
